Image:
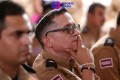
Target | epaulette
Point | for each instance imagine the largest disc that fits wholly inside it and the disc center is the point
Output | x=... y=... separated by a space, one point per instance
x=28 y=68
x=109 y=42
x=51 y=63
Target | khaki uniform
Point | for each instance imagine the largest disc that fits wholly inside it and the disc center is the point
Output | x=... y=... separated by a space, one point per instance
x=107 y=58
x=24 y=74
x=87 y=39
x=54 y=68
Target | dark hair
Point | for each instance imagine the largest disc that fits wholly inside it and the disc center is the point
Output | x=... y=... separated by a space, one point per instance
x=118 y=19
x=8 y=8
x=94 y=6
x=46 y=22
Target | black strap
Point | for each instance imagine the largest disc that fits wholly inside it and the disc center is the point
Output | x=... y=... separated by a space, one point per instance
x=89 y=68
x=109 y=42
x=28 y=68
x=51 y=63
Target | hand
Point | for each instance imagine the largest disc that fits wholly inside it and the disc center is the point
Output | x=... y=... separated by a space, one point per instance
x=82 y=55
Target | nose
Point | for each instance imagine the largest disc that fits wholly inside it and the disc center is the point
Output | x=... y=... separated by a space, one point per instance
x=76 y=32
x=25 y=40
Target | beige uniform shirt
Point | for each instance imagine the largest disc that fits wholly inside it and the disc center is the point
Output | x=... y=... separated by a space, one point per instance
x=107 y=59
x=88 y=40
x=23 y=75
x=57 y=69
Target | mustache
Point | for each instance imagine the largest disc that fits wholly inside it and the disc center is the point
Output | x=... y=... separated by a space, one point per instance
x=75 y=39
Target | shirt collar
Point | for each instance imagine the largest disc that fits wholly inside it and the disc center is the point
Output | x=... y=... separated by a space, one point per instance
x=58 y=60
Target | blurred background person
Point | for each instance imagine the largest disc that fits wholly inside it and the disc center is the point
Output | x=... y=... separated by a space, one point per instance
x=38 y=11
x=95 y=20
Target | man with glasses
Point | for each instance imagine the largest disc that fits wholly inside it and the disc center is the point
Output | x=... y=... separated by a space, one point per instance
x=63 y=56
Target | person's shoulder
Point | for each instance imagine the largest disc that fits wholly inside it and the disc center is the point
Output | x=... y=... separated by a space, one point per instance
x=105 y=43
x=48 y=69
x=26 y=73
x=99 y=44
x=39 y=64
x=45 y=64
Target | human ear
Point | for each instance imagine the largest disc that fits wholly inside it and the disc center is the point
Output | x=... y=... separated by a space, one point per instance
x=47 y=42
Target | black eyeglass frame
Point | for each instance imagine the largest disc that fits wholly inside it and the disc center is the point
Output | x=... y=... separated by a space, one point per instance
x=67 y=29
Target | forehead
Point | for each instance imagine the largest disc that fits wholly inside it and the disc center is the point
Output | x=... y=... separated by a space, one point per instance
x=64 y=19
x=99 y=9
x=17 y=22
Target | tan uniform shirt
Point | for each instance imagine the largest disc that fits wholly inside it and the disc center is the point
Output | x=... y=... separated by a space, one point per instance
x=107 y=59
x=88 y=40
x=23 y=75
x=58 y=70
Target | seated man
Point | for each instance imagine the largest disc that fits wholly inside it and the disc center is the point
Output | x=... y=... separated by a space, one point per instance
x=14 y=43
x=63 y=56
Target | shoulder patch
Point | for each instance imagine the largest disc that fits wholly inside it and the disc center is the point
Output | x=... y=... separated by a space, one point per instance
x=57 y=77
x=109 y=42
x=106 y=63
x=28 y=68
x=51 y=63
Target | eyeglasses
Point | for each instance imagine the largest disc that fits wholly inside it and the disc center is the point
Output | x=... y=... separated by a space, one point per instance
x=69 y=30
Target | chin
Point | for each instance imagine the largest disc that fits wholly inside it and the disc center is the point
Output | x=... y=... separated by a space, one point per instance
x=23 y=60
x=74 y=46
